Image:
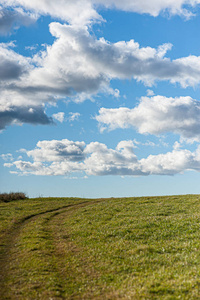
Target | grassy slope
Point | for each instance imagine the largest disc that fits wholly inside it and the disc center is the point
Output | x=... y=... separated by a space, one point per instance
x=131 y=248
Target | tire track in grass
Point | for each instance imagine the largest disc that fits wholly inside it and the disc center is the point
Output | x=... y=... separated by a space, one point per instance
x=75 y=269
x=10 y=247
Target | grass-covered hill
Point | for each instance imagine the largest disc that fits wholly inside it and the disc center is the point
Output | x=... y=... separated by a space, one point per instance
x=126 y=248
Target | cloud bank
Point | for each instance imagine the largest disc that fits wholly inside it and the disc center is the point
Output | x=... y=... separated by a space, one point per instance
x=53 y=158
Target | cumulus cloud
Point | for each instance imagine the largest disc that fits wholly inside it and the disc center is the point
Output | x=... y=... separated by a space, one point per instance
x=53 y=158
x=18 y=103
x=78 y=65
x=54 y=169
x=104 y=161
x=77 y=62
x=13 y=19
x=171 y=163
x=86 y=11
x=65 y=157
x=76 y=12
x=12 y=64
x=153 y=7
x=156 y=115
x=18 y=108
x=57 y=151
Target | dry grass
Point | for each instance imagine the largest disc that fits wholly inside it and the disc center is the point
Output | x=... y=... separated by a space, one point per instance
x=8 y=197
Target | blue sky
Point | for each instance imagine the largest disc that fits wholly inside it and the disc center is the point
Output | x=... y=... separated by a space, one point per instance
x=100 y=98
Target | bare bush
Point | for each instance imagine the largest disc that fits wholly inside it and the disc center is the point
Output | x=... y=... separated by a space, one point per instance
x=8 y=197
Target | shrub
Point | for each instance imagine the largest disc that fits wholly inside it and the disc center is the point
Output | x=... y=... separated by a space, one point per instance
x=8 y=197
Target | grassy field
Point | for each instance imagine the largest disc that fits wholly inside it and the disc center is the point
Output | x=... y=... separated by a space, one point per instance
x=126 y=248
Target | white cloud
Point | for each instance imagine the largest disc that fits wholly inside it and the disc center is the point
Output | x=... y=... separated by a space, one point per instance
x=171 y=163
x=73 y=116
x=86 y=11
x=8 y=165
x=60 y=117
x=156 y=115
x=66 y=157
x=152 y=7
x=78 y=65
x=23 y=114
x=176 y=145
x=76 y=178
x=58 y=151
x=54 y=169
x=12 y=64
x=18 y=103
x=7 y=157
x=18 y=106
x=150 y=93
x=31 y=48
x=74 y=12
x=104 y=161
x=13 y=19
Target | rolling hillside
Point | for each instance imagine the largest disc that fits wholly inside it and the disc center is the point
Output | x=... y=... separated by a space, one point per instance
x=125 y=248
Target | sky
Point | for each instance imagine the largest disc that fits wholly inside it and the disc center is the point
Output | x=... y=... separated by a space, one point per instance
x=100 y=98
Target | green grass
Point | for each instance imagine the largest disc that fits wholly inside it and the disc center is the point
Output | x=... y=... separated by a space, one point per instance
x=127 y=248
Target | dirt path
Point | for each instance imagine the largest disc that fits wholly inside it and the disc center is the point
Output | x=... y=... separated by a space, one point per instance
x=74 y=266
x=10 y=254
